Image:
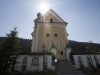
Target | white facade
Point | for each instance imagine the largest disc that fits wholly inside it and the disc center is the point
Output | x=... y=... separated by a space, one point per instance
x=29 y=66
x=68 y=50
x=42 y=26
x=84 y=59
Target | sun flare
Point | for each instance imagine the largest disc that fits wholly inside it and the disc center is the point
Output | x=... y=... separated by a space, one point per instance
x=44 y=6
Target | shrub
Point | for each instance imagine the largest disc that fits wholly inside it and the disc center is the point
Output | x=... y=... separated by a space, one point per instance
x=71 y=56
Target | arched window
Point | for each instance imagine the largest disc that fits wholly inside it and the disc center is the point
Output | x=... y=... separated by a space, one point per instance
x=47 y=35
x=51 y=20
x=35 y=61
x=55 y=35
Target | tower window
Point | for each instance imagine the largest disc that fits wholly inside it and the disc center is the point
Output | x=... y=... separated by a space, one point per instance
x=51 y=20
x=47 y=35
x=61 y=52
x=55 y=35
x=60 y=42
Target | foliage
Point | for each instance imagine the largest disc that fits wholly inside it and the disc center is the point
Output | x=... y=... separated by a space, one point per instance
x=97 y=62
x=71 y=56
x=25 y=60
x=80 y=47
x=89 y=61
x=80 y=62
x=77 y=47
x=53 y=56
x=8 y=52
x=24 y=64
x=25 y=44
x=23 y=68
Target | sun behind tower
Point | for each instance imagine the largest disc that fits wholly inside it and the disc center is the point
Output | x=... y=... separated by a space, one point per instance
x=44 y=6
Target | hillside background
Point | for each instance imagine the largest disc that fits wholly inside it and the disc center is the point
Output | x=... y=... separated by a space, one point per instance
x=77 y=47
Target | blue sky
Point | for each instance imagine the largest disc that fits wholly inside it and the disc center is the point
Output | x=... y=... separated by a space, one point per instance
x=83 y=17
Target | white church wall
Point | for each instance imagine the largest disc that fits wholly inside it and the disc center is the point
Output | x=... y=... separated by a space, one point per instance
x=29 y=66
x=19 y=65
x=85 y=60
x=41 y=63
x=34 y=68
x=29 y=62
x=49 y=61
x=67 y=53
x=98 y=56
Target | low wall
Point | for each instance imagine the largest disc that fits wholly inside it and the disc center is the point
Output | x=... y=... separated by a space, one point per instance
x=30 y=66
x=85 y=60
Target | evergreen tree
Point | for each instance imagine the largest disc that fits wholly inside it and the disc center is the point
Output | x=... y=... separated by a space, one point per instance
x=9 y=50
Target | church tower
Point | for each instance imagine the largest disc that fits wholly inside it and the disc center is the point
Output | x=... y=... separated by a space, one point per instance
x=50 y=30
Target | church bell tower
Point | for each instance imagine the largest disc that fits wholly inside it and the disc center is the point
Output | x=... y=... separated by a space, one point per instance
x=50 y=29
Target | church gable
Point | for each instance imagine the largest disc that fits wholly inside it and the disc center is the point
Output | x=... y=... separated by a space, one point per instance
x=51 y=16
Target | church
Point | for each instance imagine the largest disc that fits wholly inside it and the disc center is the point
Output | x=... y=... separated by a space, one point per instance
x=49 y=37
